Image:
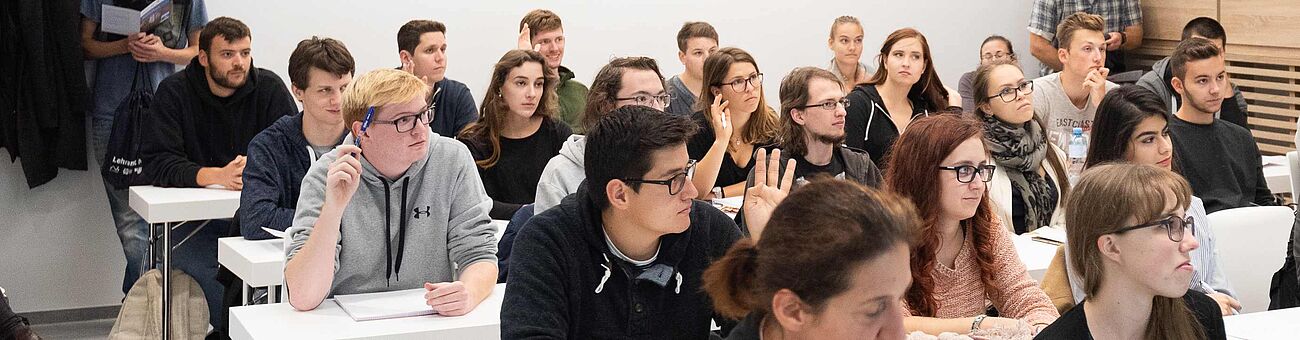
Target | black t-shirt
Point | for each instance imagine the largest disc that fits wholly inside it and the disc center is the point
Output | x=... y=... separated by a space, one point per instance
x=512 y=181
x=730 y=173
x=803 y=169
x=1074 y=323
x=1018 y=205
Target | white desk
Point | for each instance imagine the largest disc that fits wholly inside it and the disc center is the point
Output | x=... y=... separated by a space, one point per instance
x=725 y=204
x=1274 y=324
x=1278 y=177
x=1035 y=255
x=501 y=228
x=172 y=207
x=259 y=263
x=328 y=321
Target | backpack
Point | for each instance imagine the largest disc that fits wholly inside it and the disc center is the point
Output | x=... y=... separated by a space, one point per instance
x=141 y=314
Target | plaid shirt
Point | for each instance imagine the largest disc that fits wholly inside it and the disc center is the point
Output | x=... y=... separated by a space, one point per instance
x=1049 y=13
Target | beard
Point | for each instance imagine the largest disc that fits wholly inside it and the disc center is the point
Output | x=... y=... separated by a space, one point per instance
x=1201 y=105
x=835 y=139
x=222 y=78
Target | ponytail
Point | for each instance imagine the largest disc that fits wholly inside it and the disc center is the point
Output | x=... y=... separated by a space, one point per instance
x=730 y=280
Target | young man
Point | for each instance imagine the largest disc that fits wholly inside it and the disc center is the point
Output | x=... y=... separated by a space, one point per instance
x=1069 y=98
x=623 y=257
x=541 y=30
x=695 y=42
x=1123 y=16
x=117 y=59
x=422 y=47
x=1160 y=79
x=812 y=129
x=1220 y=160
x=392 y=208
x=201 y=121
x=320 y=69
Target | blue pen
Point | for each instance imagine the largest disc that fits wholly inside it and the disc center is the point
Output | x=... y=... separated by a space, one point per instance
x=365 y=124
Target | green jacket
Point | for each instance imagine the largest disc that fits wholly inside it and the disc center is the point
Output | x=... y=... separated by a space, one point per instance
x=573 y=99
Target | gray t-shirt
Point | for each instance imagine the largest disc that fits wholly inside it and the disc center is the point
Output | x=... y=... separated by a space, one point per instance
x=1056 y=109
x=683 y=101
x=113 y=75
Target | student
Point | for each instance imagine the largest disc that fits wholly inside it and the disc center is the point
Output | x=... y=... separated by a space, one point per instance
x=541 y=30
x=1068 y=99
x=624 y=81
x=905 y=83
x=1132 y=127
x=734 y=118
x=391 y=208
x=1123 y=16
x=517 y=133
x=201 y=121
x=1159 y=79
x=994 y=48
x=116 y=60
x=320 y=69
x=846 y=43
x=422 y=47
x=624 y=256
x=1129 y=237
x=832 y=264
x=1219 y=160
x=695 y=42
x=965 y=258
x=1032 y=185
x=812 y=129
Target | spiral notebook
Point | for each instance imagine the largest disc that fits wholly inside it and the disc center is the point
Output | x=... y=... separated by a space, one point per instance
x=385 y=305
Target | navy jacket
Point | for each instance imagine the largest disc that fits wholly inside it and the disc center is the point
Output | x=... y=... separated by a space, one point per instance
x=454 y=108
x=278 y=158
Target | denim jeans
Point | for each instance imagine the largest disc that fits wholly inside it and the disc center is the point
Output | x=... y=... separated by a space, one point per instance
x=131 y=229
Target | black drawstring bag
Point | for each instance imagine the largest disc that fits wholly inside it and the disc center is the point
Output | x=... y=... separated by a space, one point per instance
x=123 y=165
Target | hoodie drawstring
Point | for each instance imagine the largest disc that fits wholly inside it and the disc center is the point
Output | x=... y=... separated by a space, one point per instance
x=401 y=230
x=679 y=283
x=607 y=264
x=394 y=271
x=866 y=135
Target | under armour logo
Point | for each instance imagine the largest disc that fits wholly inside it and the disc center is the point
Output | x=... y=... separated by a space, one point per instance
x=426 y=212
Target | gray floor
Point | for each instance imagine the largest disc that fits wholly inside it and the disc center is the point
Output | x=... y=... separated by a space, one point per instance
x=81 y=330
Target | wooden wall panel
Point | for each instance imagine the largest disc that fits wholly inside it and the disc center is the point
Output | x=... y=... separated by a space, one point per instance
x=1274 y=23
x=1164 y=19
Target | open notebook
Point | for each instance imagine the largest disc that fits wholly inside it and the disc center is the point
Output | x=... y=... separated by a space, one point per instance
x=384 y=305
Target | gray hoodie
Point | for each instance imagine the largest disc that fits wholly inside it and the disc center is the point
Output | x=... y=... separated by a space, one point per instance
x=562 y=175
x=425 y=226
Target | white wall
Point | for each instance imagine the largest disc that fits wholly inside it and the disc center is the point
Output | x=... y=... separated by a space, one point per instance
x=58 y=248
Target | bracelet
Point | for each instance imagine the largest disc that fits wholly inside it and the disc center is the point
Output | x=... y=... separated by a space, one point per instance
x=1123 y=38
x=975 y=324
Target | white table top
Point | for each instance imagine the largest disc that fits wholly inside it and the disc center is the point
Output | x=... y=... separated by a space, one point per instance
x=160 y=205
x=1274 y=324
x=1035 y=255
x=1278 y=177
x=328 y=321
x=259 y=263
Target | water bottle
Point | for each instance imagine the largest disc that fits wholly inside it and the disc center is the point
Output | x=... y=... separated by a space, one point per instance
x=1078 y=151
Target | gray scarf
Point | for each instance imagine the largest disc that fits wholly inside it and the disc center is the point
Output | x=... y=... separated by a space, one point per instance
x=1020 y=151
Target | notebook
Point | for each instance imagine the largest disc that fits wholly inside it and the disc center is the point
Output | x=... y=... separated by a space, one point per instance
x=385 y=305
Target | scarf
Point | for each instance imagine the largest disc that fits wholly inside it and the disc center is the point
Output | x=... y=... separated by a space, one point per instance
x=1021 y=150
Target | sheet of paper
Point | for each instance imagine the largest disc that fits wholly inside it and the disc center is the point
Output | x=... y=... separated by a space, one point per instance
x=1279 y=160
x=384 y=305
x=276 y=233
x=1051 y=235
x=119 y=20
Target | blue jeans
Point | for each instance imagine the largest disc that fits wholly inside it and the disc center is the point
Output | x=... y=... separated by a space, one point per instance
x=131 y=229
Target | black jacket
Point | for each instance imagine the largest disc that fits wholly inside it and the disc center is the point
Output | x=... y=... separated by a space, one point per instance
x=190 y=128
x=454 y=108
x=565 y=284
x=868 y=126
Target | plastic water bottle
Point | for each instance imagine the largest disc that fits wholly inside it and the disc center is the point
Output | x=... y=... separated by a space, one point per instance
x=1078 y=151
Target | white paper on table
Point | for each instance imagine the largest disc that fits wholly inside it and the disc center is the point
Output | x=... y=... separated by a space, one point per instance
x=385 y=305
x=119 y=20
x=276 y=233
x=1051 y=235
x=1279 y=160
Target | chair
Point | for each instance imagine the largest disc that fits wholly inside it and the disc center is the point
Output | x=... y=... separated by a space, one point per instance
x=1251 y=244
x=1293 y=160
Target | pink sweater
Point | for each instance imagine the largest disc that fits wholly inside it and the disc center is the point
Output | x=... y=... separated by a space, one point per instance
x=959 y=292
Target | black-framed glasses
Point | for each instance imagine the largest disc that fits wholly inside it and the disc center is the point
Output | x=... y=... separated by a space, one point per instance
x=675 y=184
x=1010 y=94
x=1174 y=226
x=829 y=105
x=966 y=173
x=658 y=101
x=408 y=122
x=997 y=55
x=738 y=85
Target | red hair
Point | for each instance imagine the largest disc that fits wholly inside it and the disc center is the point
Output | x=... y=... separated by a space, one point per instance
x=913 y=173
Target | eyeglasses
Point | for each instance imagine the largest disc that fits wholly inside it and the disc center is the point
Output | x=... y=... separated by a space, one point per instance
x=966 y=173
x=753 y=80
x=660 y=101
x=1010 y=94
x=829 y=105
x=998 y=55
x=675 y=184
x=1174 y=227
x=408 y=122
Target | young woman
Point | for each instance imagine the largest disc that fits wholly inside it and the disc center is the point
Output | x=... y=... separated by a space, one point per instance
x=517 y=132
x=1130 y=238
x=734 y=119
x=904 y=87
x=832 y=264
x=965 y=256
x=1031 y=187
x=1132 y=127
x=846 y=43
x=995 y=48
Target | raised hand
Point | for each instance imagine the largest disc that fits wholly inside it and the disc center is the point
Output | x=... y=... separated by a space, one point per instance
x=767 y=191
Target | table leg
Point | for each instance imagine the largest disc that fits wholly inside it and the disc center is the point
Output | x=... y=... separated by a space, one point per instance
x=245 y=299
x=167 y=281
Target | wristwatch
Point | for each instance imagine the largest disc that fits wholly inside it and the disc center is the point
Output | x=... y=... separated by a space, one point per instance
x=1123 y=38
x=975 y=324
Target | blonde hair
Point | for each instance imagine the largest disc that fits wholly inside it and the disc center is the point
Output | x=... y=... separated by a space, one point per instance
x=1103 y=200
x=1076 y=22
x=378 y=88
